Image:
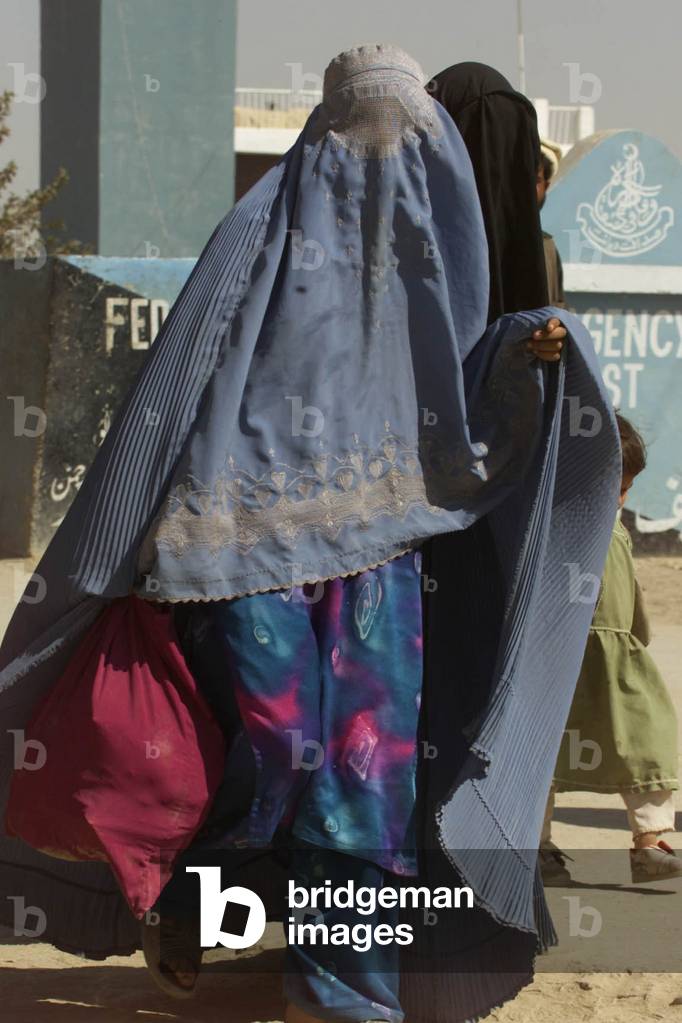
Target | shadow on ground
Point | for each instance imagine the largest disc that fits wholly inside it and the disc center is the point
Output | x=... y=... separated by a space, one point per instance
x=227 y=993
x=611 y=818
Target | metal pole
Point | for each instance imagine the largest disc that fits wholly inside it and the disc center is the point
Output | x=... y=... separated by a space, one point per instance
x=521 y=47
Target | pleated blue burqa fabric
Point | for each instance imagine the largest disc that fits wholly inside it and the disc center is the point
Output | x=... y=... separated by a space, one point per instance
x=323 y=396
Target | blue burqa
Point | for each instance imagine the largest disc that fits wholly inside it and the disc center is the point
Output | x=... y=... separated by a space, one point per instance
x=323 y=396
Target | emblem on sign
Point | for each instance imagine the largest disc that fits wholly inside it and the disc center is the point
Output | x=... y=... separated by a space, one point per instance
x=626 y=218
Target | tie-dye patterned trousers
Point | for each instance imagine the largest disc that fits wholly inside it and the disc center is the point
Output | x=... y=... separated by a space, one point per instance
x=328 y=683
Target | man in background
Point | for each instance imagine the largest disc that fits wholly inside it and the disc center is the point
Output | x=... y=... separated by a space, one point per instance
x=549 y=163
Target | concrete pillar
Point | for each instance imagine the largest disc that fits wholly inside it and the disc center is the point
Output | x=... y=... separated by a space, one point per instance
x=139 y=109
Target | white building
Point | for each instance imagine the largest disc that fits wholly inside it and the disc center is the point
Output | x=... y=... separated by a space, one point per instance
x=268 y=121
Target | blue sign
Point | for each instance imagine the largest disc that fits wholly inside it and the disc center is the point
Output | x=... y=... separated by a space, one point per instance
x=615 y=211
x=617 y=199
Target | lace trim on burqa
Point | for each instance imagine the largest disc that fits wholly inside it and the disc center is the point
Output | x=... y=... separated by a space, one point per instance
x=238 y=511
x=374 y=100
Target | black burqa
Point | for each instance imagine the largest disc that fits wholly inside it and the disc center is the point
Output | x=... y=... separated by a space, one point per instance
x=499 y=128
x=464 y=586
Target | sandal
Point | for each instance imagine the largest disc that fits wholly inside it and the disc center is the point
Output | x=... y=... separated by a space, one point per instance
x=555 y=873
x=654 y=863
x=172 y=952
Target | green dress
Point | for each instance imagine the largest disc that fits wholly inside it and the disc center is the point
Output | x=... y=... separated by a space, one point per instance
x=621 y=733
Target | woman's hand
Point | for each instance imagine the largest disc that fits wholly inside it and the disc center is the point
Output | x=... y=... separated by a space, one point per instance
x=546 y=343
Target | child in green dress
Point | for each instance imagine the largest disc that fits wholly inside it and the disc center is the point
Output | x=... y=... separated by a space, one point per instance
x=621 y=734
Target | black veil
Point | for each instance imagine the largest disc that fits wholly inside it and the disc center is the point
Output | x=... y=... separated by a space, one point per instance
x=499 y=128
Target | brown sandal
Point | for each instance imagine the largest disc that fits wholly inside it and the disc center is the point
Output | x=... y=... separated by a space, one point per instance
x=172 y=951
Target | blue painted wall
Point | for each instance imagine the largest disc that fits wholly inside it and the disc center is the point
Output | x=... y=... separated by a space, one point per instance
x=617 y=200
x=152 y=278
x=639 y=342
x=617 y=205
x=166 y=124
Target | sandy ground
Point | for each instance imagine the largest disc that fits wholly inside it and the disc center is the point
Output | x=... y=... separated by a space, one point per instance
x=629 y=969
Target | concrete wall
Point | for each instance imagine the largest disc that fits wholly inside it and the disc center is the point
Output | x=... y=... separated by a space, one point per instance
x=166 y=118
x=69 y=119
x=76 y=332
x=24 y=346
x=139 y=110
x=615 y=210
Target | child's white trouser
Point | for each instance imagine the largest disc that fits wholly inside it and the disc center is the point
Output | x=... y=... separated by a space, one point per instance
x=647 y=812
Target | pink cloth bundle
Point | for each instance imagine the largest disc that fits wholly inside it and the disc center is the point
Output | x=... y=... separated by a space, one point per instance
x=128 y=755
